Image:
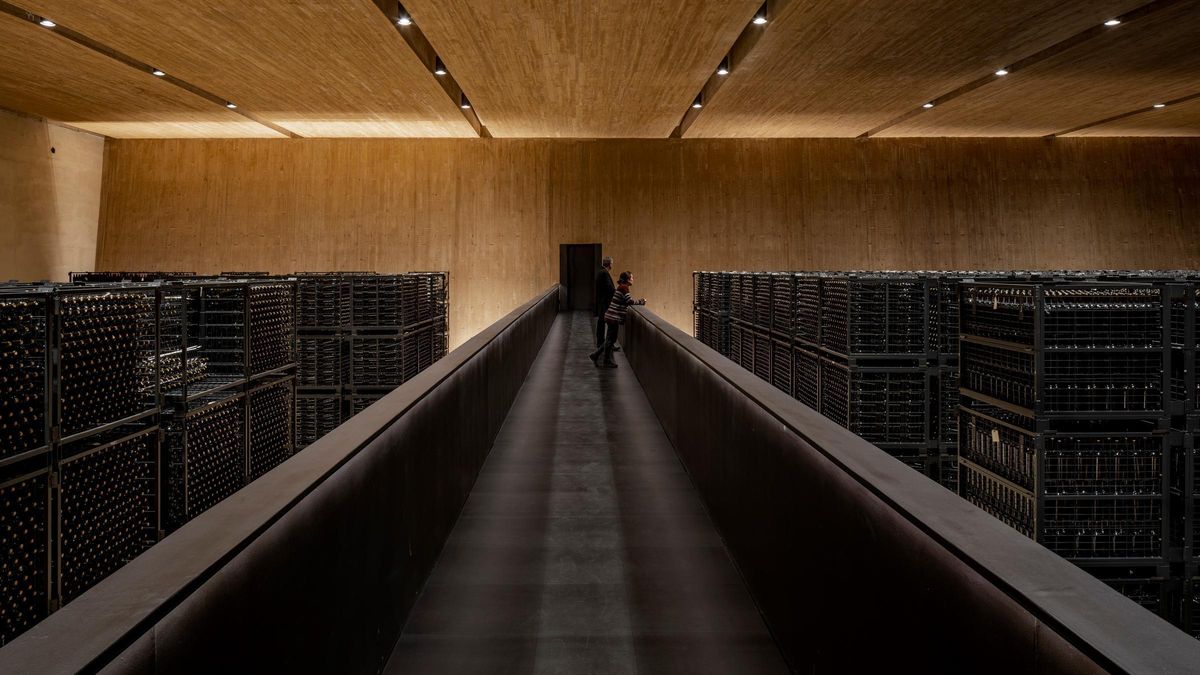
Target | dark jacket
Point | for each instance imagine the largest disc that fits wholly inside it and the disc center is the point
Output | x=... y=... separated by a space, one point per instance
x=620 y=305
x=604 y=291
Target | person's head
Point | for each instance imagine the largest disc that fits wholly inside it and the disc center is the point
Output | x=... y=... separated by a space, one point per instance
x=626 y=278
x=606 y=263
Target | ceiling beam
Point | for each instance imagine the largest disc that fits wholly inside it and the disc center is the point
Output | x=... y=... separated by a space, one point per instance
x=105 y=50
x=1131 y=113
x=428 y=55
x=1022 y=64
x=737 y=53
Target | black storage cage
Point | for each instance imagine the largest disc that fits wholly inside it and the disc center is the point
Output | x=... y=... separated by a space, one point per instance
x=206 y=456
x=108 y=506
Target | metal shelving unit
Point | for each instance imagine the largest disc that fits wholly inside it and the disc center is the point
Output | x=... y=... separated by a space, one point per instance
x=80 y=372
x=230 y=345
x=206 y=456
x=833 y=340
x=25 y=532
x=108 y=506
x=361 y=335
x=270 y=433
x=1066 y=411
x=25 y=407
x=130 y=406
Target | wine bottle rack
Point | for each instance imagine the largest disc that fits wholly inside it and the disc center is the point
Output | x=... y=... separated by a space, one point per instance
x=24 y=367
x=376 y=360
x=107 y=340
x=272 y=326
x=321 y=360
x=88 y=372
x=129 y=406
x=113 y=277
x=108 y=507
x=317 y=413
x=206 y=457
x=270 y=422
x=377 y=301
x=322 y=301
x=360 y=335
x=25 y=543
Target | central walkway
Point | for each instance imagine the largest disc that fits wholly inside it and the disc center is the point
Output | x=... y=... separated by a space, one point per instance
x=583 y=546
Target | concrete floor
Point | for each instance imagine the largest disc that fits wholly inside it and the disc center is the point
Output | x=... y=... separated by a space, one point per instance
x=583 y=546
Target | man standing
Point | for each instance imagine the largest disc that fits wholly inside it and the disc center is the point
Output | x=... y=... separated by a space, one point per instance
x=604 y=293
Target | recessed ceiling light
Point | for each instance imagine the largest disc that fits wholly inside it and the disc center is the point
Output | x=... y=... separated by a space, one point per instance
x=157 y=73
x=1160 y=105
x=1112 y=22
x=47 y=23
x=463 y=102
x=231 y=106
x=1002 y=72
x=439 y=68
x=402 y=16
x=699 y=102
x=723 y=69
x=927 y=105
x=761 y=16
x=404 y=21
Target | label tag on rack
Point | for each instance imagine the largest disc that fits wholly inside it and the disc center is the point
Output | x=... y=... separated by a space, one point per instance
x=996 y=436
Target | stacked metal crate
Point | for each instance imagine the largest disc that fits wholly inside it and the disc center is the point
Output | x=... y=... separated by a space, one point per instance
x=710 y=307
x=78 y=441
x=753 y=343
x=25 y=460
x=380 y=348
x=360 y=336
x=88 y=372
x=203 y=340
x=877 y=352
x=875 y=375
x=425 y=320
x=1076 y=411
x=1064 y=423
x=806 y=352
x=105 y=434
x=1183 y=295
x=944 y=337
x=137 y=277
x=228 y=369
x=322 y=346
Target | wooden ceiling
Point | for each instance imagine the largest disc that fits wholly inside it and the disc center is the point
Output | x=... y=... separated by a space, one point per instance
x=319 y=68
x=1127 y=68
x=1177 y=120
x=611 y=68
x=843 y=68
x=44 y=74
x=582 y=68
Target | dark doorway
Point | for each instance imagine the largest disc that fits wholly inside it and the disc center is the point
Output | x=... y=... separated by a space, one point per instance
x=578 y=265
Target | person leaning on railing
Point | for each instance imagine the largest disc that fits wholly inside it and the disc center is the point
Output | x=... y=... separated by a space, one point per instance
x=613 y=318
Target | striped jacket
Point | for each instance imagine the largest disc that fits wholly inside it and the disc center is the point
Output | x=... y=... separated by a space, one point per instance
x=621 y=302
